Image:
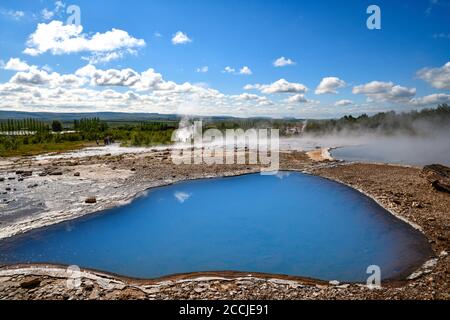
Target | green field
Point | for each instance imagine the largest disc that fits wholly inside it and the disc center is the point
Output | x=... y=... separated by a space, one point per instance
x=29 y=136
x=35 y=149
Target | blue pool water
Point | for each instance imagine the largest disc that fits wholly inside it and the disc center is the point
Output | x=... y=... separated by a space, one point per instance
x=292 y=224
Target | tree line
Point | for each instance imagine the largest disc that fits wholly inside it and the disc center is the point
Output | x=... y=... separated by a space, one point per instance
x=23 y=134
x=90 y=125
x=421 y=122
x=23 y=126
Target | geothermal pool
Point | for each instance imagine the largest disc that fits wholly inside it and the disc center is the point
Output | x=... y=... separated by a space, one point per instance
x=290 y=223
x=400 y=150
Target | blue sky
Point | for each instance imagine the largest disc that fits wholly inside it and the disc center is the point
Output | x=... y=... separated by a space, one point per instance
x=143 y=67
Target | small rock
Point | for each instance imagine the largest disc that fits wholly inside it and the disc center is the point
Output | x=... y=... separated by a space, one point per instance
x=133 y=169
x=430 y=264
x=438 y=175
x=415 y=275
x=30 y=284
x=199 y=290
x=334 y=282
x=417 y=205
x=2 y=179
x=91 y=200
x=94 y=295
x=76 y=174
x=443 y=254
x=56 y=173
x=32 y=185
x=88 y=286
x=8 y=189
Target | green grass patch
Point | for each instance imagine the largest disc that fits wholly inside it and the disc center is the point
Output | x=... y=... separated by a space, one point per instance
x=36 y=149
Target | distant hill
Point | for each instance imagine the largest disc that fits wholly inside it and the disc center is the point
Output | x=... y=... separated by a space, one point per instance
x=106 y=116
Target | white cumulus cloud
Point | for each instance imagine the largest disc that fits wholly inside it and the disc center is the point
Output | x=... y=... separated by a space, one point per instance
x=297 y=98
x=15 y=64
x=47 y=14
x=431 y=100
x=385 y=91
x=36 y=78
x=343 y=103
x=111 y=77
x=438 y=77
x=229 y=69
x=282 y=62
x=58 y=39
x=330 y=85
x=13 y=14
x=280 y=86
x=180 y=38
x=203 y=69
x=245 y=71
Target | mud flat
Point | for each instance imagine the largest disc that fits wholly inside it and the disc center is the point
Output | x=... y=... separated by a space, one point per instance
x=57 y=189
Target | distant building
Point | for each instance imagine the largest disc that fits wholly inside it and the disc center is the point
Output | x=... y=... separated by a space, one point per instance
x=294 y=130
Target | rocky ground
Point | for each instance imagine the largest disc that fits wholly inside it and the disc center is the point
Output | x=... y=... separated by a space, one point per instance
x=35 y=193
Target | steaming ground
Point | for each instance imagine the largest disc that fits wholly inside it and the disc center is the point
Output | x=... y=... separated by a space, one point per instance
x=403 y=150
x=113 y=149
x=407 y=150
x=384 y=149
